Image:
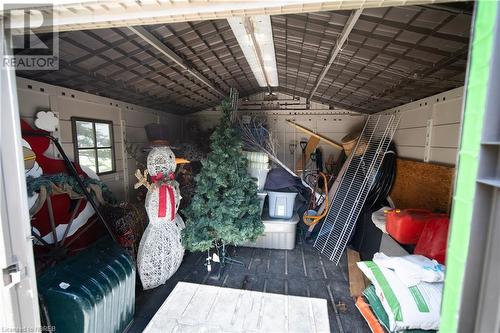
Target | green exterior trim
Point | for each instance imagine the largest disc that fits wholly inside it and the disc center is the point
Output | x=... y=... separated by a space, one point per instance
x=467 y=166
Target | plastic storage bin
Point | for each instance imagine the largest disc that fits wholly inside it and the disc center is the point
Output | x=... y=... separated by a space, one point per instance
x=407 y=225
x=258 y=157
x=262 y=198
x=278 y=234
x=260 y=176
x=281 y=204
x=258 y=165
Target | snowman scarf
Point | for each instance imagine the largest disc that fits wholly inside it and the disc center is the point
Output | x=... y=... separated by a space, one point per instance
x=165 y=194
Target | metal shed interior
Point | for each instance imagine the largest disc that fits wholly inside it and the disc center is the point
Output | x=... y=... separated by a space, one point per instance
x=344 y=59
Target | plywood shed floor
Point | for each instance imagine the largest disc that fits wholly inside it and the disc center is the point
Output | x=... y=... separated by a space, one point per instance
x=298 y=272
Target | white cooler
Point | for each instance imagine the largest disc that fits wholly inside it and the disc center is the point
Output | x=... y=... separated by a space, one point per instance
x=278 y=234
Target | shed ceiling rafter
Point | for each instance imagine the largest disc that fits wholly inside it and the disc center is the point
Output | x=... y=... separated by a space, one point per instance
x=377 y=36
x=421 y=74
x=170 y=54
x=74 y=64
x=415 y=77
x=102 y=14
x=339 y=44
x=208 y=94
x=332 y=103
x=372 y=48
x=178 y=88
x=116 y=86
x=368 y=64
x=415 y=29
x=402 y=56
x=391 y=56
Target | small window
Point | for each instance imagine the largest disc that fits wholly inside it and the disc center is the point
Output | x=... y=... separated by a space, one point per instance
x=93 y=141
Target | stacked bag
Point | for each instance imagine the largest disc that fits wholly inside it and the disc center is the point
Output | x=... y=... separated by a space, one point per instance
x=405 y=295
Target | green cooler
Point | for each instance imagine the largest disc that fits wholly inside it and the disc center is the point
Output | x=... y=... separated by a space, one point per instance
x=93 y=291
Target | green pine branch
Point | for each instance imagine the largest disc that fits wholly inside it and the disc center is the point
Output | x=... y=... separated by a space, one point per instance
x=225 y=207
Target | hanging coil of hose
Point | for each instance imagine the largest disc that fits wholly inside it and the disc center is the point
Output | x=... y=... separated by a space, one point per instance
x=384 y=179
x=319 y=195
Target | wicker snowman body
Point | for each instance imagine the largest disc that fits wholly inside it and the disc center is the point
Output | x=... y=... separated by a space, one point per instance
x=160 y=250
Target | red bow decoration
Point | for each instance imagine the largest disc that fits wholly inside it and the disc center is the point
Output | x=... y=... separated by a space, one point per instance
x=127 y=238
x=162 y=195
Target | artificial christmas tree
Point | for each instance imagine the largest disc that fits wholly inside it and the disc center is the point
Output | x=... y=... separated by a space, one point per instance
x=225 y=207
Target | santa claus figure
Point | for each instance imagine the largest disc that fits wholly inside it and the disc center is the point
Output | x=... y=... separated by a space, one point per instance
x=59 y=213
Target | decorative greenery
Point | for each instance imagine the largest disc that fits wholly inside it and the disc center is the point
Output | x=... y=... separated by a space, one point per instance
x=62 y=180
x=128 y=221
x=225 y=207
x=134 y=151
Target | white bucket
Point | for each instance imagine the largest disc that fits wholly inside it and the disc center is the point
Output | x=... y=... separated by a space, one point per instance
x=260 y=176
x=262 y=198
x=257 y=165
x=281 y=204
x=258 y=157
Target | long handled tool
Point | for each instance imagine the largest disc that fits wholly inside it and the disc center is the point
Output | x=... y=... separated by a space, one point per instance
x=316 y=135
x=318 y=207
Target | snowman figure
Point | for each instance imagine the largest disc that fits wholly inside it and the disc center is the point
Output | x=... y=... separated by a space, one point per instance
x=160 y=250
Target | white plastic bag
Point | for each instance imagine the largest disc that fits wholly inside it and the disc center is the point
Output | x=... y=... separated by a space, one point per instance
x=378 y=218
x=412 y=269
x=416 y=307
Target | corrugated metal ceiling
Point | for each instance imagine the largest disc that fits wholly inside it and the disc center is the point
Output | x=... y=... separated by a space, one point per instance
x=99 y=14
x=392 y=56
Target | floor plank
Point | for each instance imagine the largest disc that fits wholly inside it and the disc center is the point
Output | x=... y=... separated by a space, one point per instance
x=356 y=279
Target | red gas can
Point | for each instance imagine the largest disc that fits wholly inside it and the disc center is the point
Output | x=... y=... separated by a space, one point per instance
x=434 y=238
x=407 y=225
